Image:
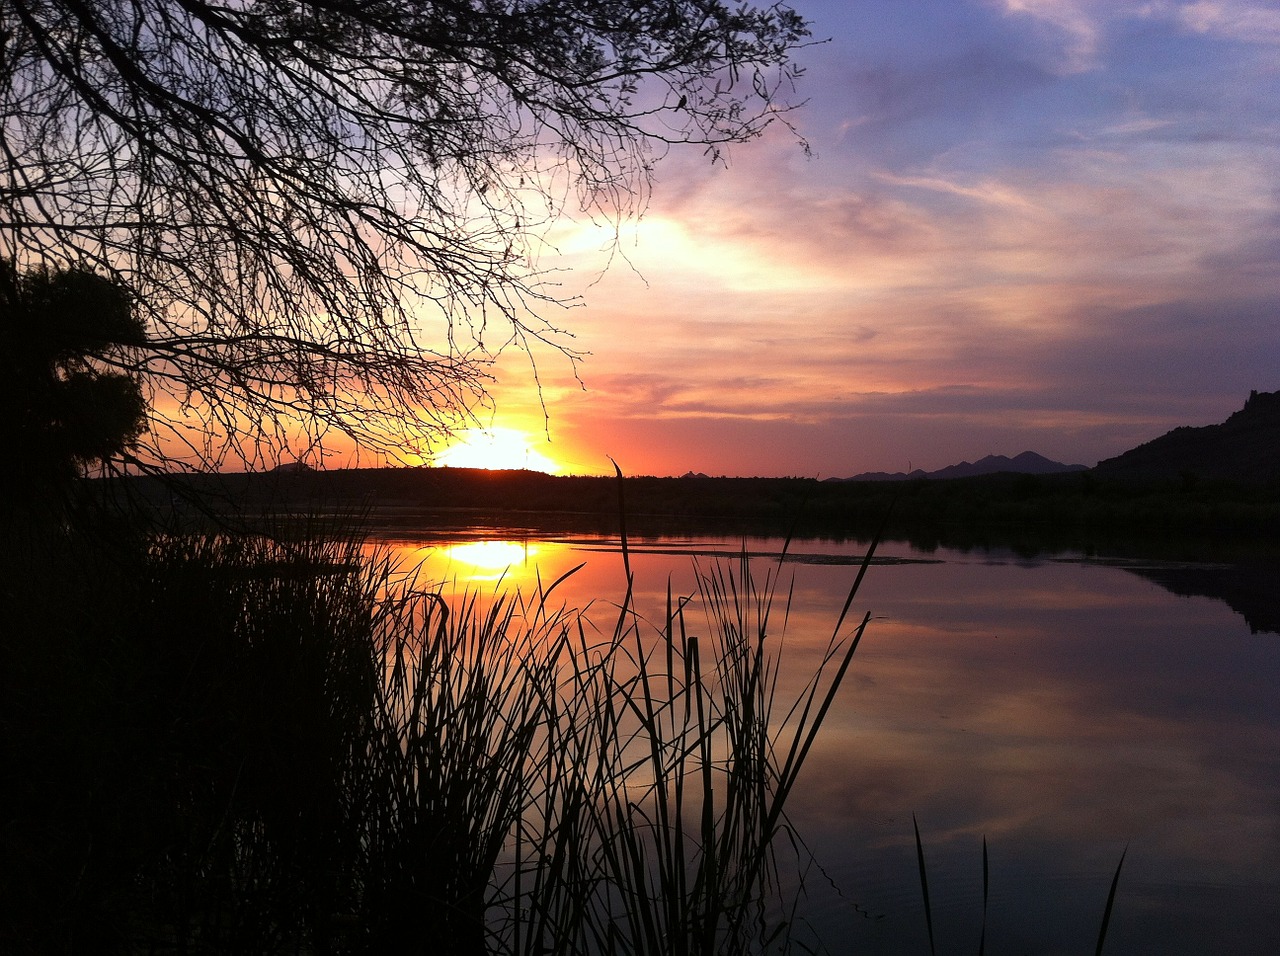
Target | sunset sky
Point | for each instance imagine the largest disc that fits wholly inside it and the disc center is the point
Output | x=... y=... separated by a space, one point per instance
x=1048 y=225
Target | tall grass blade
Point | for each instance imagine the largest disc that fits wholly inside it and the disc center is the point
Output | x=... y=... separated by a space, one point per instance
x=982 y=940
x=622 y=520
x=801 y=745
x=924 y=885
x=1111 y=898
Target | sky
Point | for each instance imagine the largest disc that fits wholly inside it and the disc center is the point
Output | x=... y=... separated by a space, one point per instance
x=1045 y=225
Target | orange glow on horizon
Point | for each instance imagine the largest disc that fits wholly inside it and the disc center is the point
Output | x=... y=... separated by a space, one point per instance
x=495 y=448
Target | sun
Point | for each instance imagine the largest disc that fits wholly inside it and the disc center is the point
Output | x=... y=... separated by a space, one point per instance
x=495 y=448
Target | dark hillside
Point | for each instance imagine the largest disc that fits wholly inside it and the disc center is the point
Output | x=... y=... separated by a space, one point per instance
x=1244 y=448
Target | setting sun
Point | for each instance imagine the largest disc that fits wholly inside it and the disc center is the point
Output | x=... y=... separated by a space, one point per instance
x=495 y=448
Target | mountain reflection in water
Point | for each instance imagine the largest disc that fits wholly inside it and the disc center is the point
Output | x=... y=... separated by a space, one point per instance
x=1250 y=588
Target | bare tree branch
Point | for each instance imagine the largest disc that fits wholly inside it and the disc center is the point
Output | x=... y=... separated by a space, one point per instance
x=328 y=209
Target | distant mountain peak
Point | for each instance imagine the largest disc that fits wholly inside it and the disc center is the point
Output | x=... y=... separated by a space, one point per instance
x=1026 y=463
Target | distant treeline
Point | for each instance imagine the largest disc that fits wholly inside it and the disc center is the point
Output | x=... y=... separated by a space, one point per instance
x=965 y=511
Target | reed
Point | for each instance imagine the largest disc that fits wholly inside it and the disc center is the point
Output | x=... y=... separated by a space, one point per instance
x=546 y=788
x=982 y=939
x=275 y=743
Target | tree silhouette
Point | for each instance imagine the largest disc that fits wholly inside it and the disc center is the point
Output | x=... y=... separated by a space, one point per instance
x=330 y=211
x=66 y=397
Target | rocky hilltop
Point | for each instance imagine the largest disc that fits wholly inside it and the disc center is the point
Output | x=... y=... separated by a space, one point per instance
x=1245 y=447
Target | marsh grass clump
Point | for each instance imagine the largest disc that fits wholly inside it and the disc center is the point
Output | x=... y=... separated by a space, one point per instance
x=540 y=786
x=179 y=711
x=277 y=743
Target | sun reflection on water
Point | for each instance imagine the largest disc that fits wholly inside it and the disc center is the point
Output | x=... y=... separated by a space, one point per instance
x=491 y=554
x=488 y=560
x=1058 y=709
x=506 y=564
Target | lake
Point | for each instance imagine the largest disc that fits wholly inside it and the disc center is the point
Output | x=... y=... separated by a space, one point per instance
x=1066 y=708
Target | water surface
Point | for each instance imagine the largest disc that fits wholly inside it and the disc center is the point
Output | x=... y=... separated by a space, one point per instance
x=1063 y=708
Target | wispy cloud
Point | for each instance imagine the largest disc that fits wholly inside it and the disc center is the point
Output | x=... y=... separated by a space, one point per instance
x=1074 y=22
x=994 y=192
x=1029 y=224
x=1240 y=20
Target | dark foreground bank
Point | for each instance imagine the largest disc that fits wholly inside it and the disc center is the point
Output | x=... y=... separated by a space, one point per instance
x=266 y=744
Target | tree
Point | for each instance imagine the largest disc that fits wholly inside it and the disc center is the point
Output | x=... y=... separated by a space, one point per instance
x=64 y=400
x=329 y=210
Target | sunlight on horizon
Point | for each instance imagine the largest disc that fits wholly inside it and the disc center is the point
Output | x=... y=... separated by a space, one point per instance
x=495 y=448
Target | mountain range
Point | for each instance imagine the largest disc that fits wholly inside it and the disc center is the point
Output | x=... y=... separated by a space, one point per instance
x=1245 y=448
x=1028 y=463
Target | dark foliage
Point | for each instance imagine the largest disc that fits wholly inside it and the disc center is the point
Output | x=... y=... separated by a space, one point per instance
x=64 y=399
x=178 y=720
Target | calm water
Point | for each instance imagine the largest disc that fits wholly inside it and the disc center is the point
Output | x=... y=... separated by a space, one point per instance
x=1064 y=709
